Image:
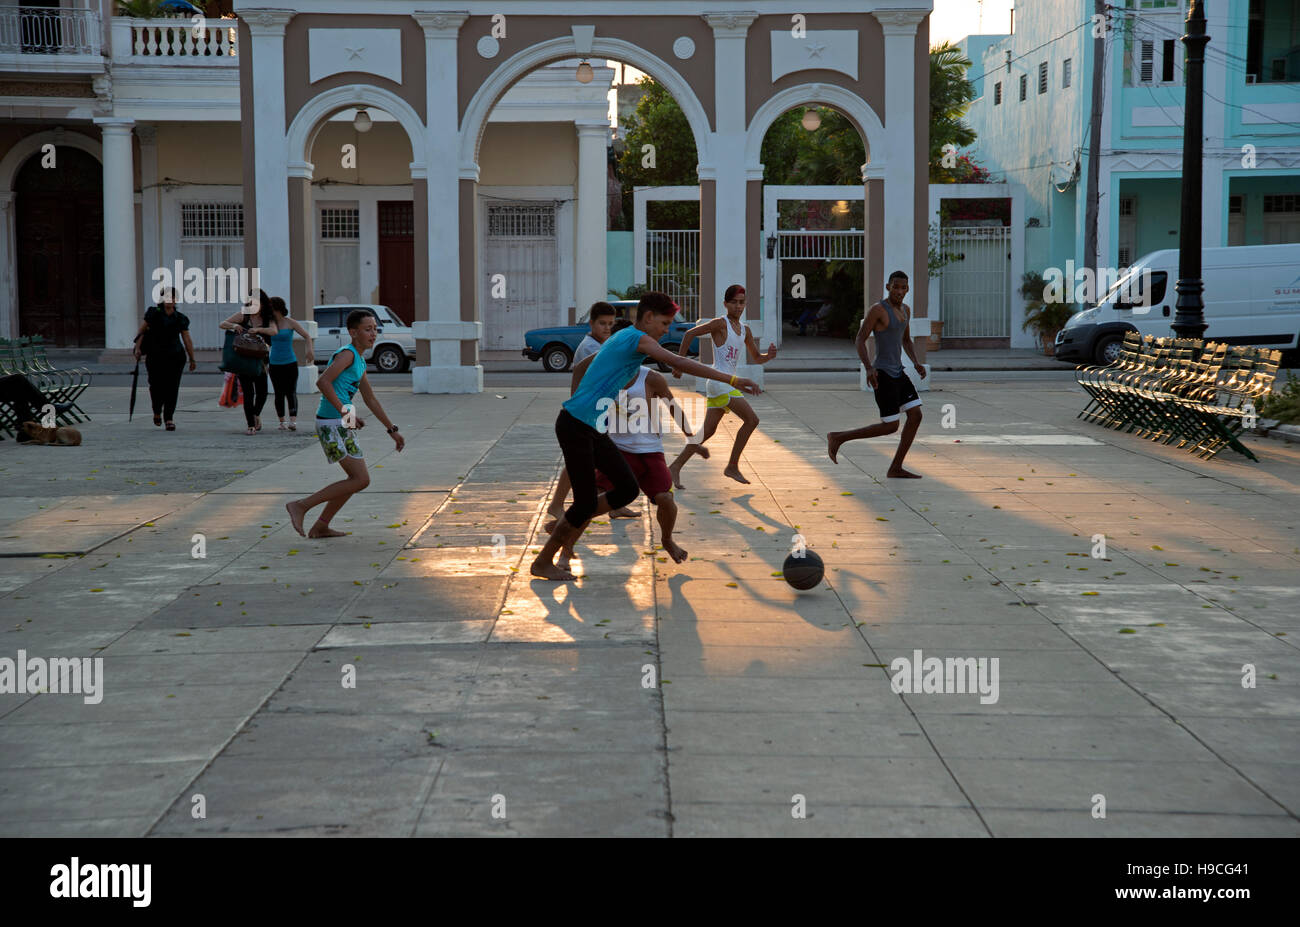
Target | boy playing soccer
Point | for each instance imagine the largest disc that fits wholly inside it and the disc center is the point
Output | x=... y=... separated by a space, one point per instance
x=634 y=429
x=895 y=394
x=601 y=318
x=587 y=447
x=335 y=421
x=730 y=336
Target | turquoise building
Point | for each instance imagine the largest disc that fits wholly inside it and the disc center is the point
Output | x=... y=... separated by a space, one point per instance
x=1033 y=108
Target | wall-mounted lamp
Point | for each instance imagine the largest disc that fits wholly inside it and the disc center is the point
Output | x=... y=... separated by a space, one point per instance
x=362 y=122
x=771 y=246
x=585 y=73
x=811 y=120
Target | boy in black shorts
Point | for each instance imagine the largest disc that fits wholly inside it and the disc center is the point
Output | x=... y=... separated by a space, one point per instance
x=895 y=395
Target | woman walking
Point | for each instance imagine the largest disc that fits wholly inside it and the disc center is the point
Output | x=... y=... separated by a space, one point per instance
x=284 y=364
x=254 y=316
x=159 y=340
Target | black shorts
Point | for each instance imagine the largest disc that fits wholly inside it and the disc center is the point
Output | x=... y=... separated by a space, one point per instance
x=894 y=395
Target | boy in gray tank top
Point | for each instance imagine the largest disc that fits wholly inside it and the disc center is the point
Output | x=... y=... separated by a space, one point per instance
x=895 y=395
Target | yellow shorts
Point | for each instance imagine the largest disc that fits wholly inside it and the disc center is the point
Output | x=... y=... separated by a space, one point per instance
x=721 y=402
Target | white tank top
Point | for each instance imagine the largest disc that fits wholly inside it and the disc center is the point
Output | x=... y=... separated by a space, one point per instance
x=726 y=357
x=641 y=416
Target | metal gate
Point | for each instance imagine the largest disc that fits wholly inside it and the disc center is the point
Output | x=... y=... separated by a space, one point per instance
x=976 y=283
x=520 y=287
x=673 y=267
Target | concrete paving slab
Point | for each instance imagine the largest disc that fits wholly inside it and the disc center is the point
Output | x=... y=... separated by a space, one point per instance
x=41 y=746
x=722 y=819
x=1081 y=823
x=1207 y=787
x=287 y=795
x=83 y=791
x=406 y=633
x=862 y=781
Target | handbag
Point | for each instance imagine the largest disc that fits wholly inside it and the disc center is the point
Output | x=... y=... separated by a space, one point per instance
x=230 y=393
x=249 y=345
x=234 y=362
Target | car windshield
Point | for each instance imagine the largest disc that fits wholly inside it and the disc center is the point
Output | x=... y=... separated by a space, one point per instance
x=388 y=317
x=1133 y=287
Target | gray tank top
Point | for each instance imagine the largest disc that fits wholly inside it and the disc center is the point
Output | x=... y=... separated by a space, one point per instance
x=889 y=344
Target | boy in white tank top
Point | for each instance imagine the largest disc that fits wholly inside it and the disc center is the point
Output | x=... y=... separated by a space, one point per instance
x=730 y=336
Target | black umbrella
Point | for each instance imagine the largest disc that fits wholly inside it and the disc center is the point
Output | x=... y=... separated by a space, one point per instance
x=135 y=381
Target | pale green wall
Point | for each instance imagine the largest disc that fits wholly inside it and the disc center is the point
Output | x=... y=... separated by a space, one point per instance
x=618 y=260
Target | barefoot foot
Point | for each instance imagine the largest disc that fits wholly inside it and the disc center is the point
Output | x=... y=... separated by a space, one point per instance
x=544 y=570
x=564 y=559
x=734 y=473
x=677 y=477
x=296 y=512
x=899 y=473
x=833 y=442
x=673 y=550
x=549 y=527
x=624 y=512
x=319 y=531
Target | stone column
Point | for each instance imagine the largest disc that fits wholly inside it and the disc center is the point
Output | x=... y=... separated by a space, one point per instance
x=120 y=290
x=8 y=268
x=301 y=251
x=271 y=154
x=439 y=329
x=728 y=216
x=150 y=247
x=900 y=156
x=589 y=282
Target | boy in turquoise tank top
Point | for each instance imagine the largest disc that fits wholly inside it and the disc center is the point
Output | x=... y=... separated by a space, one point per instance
x=336 y=420
x=582 y=426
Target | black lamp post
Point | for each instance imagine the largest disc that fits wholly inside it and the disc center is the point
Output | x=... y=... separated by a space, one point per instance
x=1189 y=320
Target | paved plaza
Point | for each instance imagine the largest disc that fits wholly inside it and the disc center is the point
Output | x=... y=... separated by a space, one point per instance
x=1154 y=690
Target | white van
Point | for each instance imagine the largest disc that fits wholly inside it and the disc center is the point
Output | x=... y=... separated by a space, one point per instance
x=1252 y=296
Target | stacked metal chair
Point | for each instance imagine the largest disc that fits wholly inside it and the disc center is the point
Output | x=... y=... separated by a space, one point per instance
x=26 y=357
x=1180 y=390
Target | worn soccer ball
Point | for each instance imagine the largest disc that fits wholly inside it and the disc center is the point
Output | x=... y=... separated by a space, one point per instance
x=803 y=570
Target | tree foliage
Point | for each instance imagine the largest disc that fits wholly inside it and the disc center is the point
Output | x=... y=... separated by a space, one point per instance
x=659 y=122
x=950 y=97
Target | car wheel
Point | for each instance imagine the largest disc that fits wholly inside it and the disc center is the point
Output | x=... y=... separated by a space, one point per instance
x=1109 y=348
x=556 y=358
x=389 y=360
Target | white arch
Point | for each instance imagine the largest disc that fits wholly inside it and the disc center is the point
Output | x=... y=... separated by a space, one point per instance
x=848 y=103
x=307 y=124
x=510 y=70
x=31 y=144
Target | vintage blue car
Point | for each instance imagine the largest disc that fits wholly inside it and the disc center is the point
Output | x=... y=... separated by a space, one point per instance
x=554 y=347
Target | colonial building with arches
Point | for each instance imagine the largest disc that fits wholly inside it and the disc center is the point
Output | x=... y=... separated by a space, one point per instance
x=261 y=108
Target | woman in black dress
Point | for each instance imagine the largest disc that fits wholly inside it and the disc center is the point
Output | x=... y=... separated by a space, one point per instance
x=254 y=316
x=159 y=340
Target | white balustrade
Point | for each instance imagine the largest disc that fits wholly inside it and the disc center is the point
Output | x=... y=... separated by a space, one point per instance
x=176 y=41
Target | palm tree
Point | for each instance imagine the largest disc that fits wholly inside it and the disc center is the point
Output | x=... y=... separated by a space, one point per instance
x=950 y=96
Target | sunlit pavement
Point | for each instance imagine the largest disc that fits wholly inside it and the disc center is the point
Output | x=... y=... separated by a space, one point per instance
x=1149 y=690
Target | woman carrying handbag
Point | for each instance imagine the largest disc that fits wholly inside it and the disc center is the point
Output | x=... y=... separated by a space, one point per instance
x=246 y=352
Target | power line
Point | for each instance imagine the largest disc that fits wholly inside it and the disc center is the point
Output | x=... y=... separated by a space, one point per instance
x=1032 y=50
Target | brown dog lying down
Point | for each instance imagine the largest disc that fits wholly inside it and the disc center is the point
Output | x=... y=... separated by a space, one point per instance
x=64 y=435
